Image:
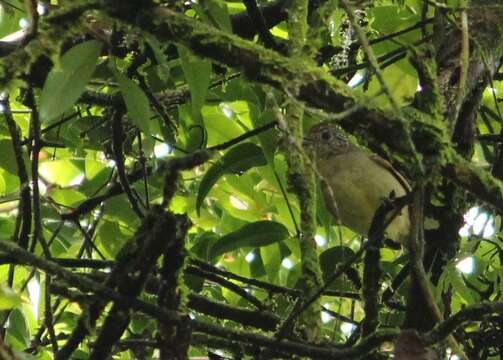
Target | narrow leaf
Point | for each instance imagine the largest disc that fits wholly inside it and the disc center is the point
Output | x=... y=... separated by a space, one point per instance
x=68 y=79
x=215 y=13
x=237 y=160
x=197 y=72
x=137 y=104
x=8 y=298
x=257 y=234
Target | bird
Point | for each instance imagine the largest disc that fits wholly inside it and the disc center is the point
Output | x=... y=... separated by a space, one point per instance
x=359 y=181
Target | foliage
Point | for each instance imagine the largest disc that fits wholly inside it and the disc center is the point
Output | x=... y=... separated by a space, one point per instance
x=139 y=132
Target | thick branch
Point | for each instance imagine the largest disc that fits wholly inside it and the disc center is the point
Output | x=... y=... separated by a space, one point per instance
x=320 y=90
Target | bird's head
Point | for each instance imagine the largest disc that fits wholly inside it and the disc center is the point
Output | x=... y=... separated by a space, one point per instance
x=327 y=139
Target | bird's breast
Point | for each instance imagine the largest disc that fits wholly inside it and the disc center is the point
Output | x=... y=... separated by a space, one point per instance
x=359 y=185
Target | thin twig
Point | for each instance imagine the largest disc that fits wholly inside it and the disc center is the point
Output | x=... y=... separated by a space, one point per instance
x=117 y=140
x=242 y=137
x=36 y=146
x=464 y=63
x=25 y=213
x=48 y=315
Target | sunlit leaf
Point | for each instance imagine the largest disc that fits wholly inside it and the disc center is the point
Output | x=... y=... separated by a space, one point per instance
x=257 y=234
x=9 y=21
x=111 y=237
x=8 y=159
x=197 y=72
x=137 y=104
x=8 y=298
x=68 y=79
x=215 y=13
x=61 y=172
x=17 y=332
x=237 y=160
x=67 y=197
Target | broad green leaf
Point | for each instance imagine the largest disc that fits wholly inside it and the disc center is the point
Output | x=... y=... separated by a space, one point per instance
x=111 y=238
x=271 y=257
x=11 y=182
x=17 y=335
x=68 y=79
x=256 y=264
x=139 y=323
x=268 y=138
x=194 y=135
x=389 y=19
x=219 y=127
x=9 y=20
x=215 y=13
x=330 y=258
x=257 y=234
x=333 y=256
x=202 y=244
x=61 y=172
x=89 y=186
x=93 y=168
x=162 y=63
x=237 y=265
x=197 y=72
x=137 y=104
x=460 y=287
x=7 y=227
x=7 y=159
x=237 y=160
x=121 y=209
x=229 y=223
x=67 y=197
x=8 y=298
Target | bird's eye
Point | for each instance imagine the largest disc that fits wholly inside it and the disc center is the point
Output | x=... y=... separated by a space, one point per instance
x=326 y=135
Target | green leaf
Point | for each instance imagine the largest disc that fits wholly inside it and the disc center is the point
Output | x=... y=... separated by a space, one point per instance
x=257 y=234
x=68 y=79
x=61 y=172
x=333 y=256
x=111 y=237
x=202 y=244
x=9 y=20
x=137 y=104
x=67 y=197
x=268 y=138
x=7 y=226
x=197 y=72
x=271 y=258
x=8 y=298
x=162 y=62
x=7 y=160
x=237 y=160
x=17 y=335
x=214 y=12
x=257 y=268
x=460 y=287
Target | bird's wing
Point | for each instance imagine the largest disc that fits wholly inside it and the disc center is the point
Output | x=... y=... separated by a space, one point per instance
x=399 y=177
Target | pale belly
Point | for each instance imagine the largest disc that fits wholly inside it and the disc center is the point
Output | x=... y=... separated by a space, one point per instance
x=359 y=187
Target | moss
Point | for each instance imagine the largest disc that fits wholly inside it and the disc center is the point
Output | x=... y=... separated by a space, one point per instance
x=319 y=89
x=52 y=33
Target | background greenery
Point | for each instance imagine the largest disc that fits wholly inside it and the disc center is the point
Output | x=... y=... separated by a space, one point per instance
x=100 y=96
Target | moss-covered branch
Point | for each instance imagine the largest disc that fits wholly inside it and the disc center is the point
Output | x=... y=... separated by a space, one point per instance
x=319 y=89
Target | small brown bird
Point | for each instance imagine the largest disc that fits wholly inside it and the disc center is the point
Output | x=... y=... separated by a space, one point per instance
x=359 y=180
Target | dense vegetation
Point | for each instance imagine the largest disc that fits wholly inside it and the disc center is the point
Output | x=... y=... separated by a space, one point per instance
x=156 y=200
